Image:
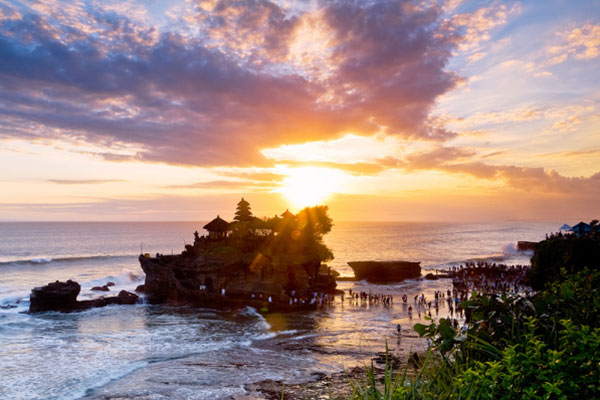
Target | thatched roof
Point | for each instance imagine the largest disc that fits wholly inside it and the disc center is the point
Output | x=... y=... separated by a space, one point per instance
x=255 y=223
x=287 y=214
x=259 y=223
x=581 y=227
x=217 y=225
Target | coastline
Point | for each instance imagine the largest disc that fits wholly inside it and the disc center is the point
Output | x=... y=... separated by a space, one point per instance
x=185 y=352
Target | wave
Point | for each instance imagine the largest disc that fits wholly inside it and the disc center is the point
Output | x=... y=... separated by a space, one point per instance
x=47 y=260
x=510 y=254
x=126 y=278
x=251 y=311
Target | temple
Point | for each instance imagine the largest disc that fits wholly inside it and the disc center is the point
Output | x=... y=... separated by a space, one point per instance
x=271 y=263
x=217 y=228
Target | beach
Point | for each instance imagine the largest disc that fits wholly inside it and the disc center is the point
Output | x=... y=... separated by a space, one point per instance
x=155 y=351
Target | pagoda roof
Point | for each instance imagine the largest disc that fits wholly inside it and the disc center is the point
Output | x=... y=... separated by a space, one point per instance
x=217 y=225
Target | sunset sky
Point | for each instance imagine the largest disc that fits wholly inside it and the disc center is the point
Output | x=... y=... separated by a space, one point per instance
x=383 y=110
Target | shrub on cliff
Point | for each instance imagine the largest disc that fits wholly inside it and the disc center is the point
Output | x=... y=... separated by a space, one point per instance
x=563 y=254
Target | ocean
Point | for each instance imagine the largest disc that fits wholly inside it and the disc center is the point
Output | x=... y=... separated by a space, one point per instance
x=150 y=351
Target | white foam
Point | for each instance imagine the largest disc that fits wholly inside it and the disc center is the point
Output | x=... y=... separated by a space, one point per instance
x=510 y=249
x=265 y=336
x=124 y=279
x=252 y=311
x=41 y=260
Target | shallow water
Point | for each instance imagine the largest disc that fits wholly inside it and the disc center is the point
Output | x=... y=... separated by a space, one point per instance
x=194 y=353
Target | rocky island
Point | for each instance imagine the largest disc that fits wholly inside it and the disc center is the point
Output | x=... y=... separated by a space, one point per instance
x=385 y=271
x=272 y=264
x=62 y=296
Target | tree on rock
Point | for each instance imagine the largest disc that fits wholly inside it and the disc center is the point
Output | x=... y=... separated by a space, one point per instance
x=243 y=213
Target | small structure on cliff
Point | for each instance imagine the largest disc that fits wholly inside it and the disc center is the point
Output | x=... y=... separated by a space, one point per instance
x=272 y=263
x=218 y=228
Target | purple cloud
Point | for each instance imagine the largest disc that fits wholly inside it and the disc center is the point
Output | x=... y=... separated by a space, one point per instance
x=192 y=99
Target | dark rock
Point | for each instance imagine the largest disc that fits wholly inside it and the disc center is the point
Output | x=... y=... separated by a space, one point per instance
x=140 y=288
x=110 y=284
x=431 y=277
x=385 y=271
x=62 y=296
x=101 y=288
x=198 y=279
x=346 y=279
x=56 y=296
x=523 y=245
x=126 y=297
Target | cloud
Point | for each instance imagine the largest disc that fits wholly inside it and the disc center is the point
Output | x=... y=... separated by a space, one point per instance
x=431 y=159
x=530 y=179
x=198 y=95
x=567 y=118
x=581 y=43
x=463 y=161
x=478 y=23
x=575 y=153
x=83 y=181
x=254 y=175
x=357 y=168
x=222 y=184
x=517 y=115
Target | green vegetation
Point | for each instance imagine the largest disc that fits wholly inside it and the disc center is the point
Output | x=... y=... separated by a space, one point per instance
x=571 y=253
x=291 y=240
x=546 y=346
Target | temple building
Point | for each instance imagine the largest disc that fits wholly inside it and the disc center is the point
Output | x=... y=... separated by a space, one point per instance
x=218 y=228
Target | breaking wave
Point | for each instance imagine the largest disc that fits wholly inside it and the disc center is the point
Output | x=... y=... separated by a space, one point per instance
x=47 y=260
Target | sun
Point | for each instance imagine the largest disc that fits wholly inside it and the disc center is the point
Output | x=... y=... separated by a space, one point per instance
x=310 y=186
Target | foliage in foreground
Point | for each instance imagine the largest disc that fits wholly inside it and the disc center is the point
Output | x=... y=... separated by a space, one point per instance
x=545 y=347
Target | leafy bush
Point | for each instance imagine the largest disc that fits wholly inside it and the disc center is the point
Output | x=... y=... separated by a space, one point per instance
x=544 y=347
x=531 y=370
x=558 y=254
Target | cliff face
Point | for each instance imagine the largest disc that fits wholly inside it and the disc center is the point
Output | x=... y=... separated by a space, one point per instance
x=225 y=275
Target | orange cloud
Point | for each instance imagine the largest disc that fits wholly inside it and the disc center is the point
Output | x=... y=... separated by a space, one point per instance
x=581 y=43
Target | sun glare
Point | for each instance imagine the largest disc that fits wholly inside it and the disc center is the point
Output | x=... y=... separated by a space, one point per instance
x=310 y=186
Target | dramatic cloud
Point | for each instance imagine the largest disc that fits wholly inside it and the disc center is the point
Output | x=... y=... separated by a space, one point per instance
x=459 y=161
x=226 y=86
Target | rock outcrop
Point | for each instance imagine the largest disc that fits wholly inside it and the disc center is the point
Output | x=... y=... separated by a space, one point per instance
x=62 y=296
x=226 y=274
x=523 y=245
x=385 y=271
x=55 y=296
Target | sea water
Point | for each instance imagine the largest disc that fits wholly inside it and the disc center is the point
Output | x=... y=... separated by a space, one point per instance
x=168 y=352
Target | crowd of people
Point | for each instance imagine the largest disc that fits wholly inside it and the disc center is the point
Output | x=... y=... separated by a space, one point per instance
x=487 y=277
x=370 y=298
